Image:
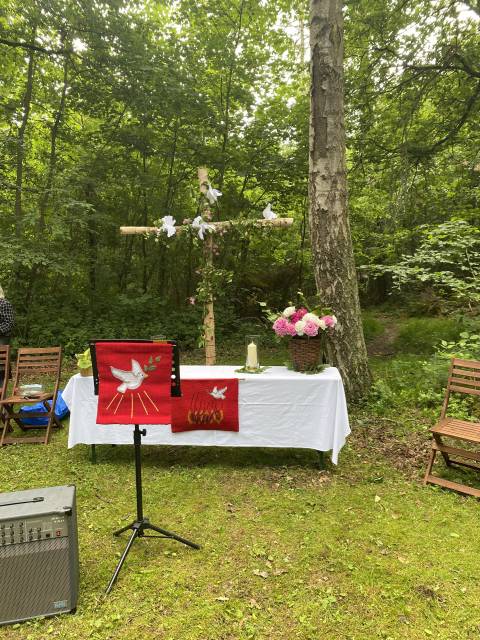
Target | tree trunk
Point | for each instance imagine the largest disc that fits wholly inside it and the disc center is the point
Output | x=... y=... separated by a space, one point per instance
x=52 y=164
x=144 y=219
x=332 y=249
x=92 y=242
x=228 y=96
x=209 y=315
x=169 y=192
x=26 y=103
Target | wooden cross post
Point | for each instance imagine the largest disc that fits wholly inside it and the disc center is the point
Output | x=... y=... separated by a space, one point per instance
x=209 y=316
x=225 y=225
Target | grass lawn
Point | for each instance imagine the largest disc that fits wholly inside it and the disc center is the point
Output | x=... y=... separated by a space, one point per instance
x=359 y=552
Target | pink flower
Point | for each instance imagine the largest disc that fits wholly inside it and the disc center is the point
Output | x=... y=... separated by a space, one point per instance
x=310 y=329
x=291 y=331
x=192 y=300
x=330 y=321
x=280 y=326
x=298 y=315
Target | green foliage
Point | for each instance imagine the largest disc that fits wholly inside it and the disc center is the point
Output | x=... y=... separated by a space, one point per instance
x=372 y=326
x=447 y=261
x=467 y=347
x=422 y=335
x=397 y=385
x=214 y=283
x=409 y=383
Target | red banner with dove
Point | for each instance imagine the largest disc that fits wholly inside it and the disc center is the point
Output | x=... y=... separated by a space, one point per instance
x=206 y=405
x=134 y=382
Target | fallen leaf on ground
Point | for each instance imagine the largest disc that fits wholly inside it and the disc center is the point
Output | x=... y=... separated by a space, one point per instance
x=261 y=574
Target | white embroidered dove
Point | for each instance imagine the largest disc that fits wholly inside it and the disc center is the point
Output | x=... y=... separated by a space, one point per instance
x=268 y=214
x=168 y=225
x=218 y=394
x=212 y=194
x=130 y=379
x=202 y=226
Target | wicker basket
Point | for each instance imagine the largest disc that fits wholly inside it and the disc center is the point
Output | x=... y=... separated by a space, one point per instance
x=306 y=353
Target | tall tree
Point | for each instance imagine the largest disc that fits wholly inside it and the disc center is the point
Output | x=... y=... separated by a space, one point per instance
x=332 y=249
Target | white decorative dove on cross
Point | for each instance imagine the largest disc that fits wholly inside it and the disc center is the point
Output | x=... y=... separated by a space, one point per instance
x=212 y=194
x=168 y=226
x=202 y=226
x=268 y=214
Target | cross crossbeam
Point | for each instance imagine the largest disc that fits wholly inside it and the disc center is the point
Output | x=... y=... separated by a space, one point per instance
x=224 y=225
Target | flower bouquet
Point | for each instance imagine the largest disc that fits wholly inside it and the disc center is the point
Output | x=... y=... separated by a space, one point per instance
x=307 y=330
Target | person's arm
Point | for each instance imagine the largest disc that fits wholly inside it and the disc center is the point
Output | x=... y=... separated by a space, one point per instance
x=7 y=318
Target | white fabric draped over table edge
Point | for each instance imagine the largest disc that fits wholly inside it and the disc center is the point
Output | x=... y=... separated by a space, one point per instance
x=278 y=408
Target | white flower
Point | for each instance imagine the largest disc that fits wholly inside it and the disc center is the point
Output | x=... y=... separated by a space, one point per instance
x=289 y=311
x=268 y=214
x=313 y=318
x=321 y=324
x=334 y=318
x=202 y=226
x=300 y=327
x=212 y=194
x=168 y=225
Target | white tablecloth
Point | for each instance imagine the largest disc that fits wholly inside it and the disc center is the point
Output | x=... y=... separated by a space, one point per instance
x=277 y=408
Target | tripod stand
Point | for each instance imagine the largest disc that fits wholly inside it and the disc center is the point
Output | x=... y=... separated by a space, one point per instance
x=141 y=524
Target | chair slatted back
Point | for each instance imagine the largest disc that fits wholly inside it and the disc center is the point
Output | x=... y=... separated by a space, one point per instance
x=4 y=367
x=38 y=361
x=463 y=377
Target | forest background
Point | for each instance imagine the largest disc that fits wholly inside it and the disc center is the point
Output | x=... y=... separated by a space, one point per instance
x=108 y=108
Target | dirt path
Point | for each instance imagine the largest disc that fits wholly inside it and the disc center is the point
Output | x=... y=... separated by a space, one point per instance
x=382 y=345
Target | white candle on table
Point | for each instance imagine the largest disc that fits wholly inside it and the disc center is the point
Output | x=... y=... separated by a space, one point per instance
x=252 y=358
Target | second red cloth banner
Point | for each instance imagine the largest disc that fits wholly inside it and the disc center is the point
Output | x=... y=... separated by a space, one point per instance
x=206 y=405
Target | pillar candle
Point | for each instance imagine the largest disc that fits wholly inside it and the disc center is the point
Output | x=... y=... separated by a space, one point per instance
x=252 y=358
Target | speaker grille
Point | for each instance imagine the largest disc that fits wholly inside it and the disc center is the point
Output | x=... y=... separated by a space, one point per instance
x=34 y=579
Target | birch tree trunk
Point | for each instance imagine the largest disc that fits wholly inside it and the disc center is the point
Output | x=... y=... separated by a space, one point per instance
x=209 y=315
x=332 y=249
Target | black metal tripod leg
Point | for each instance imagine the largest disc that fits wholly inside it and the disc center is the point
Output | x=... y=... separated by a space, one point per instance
x=126 y=528
x=173 y=536
x=122 y=560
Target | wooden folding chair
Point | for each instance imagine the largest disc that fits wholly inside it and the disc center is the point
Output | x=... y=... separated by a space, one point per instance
x=464 y=378
x=4 y=376
x=33 y=365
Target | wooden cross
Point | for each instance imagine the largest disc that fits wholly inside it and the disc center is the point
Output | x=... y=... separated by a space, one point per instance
x=225 y=225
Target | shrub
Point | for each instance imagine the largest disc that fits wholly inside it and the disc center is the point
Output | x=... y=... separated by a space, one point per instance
x=422 y=335
x=372 y=326
x=405 y=382
x=446 y=263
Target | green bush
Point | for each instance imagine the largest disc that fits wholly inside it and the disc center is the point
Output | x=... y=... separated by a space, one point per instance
x=406 y=382
x=372 y=326
x=422 y=335
x=140 y=317
x=398 y=385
